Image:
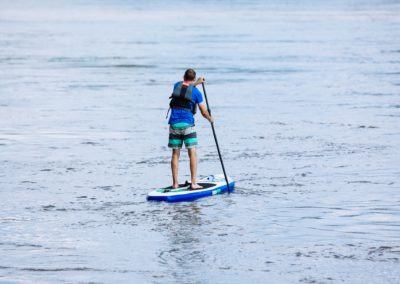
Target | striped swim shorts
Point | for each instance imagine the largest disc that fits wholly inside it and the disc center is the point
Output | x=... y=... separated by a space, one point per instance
x=182 y=132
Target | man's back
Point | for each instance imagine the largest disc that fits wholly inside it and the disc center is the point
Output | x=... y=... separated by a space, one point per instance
x=185 y=116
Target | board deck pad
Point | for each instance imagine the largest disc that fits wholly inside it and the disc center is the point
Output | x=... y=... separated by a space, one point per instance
x=182 y=185
x=212 y=185
x=186 y=187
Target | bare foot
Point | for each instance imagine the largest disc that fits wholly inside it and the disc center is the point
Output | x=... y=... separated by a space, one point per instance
x=175 y=186
x=196 y=186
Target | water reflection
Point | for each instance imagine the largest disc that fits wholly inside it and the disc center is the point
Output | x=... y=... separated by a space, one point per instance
x=183 y=230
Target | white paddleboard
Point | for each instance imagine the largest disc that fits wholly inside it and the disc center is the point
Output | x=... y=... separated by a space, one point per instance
x=212 y=185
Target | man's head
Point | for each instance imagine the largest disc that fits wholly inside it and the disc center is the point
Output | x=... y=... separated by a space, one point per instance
x=190 y=75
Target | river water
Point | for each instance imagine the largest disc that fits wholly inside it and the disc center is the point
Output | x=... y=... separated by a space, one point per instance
x=305 y=96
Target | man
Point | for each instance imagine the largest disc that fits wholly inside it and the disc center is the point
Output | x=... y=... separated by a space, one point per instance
x=184 y=101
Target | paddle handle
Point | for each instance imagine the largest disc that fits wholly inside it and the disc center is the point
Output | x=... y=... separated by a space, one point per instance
x=215 y=138
x=205 y=95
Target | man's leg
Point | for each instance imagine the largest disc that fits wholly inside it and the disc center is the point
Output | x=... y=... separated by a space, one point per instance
x=174 y=167
x=193 y=167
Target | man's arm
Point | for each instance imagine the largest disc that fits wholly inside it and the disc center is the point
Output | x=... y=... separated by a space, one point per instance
x=205 y=113
x=202 y=107
x=199 y=81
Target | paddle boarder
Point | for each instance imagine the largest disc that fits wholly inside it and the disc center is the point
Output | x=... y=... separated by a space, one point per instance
x=184 y=101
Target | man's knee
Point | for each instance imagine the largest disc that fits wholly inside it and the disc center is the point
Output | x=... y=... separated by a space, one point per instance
x=192 y=152
x=176 y=152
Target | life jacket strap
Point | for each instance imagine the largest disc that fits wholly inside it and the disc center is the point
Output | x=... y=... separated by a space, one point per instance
x=167 y=112
x=184 y=88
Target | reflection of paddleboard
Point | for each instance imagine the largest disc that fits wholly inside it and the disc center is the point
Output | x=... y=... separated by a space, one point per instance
x=212 y=185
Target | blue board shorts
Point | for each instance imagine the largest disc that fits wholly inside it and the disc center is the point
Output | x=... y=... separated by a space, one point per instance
x=180 y=133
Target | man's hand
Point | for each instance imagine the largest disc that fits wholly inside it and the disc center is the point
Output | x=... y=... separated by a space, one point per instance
x=211 y=119
x=199 y=81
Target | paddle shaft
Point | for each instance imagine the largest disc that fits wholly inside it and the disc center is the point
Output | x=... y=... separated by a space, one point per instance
x=215 y=138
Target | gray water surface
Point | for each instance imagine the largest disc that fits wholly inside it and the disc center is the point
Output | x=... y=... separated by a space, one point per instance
x=305 y=95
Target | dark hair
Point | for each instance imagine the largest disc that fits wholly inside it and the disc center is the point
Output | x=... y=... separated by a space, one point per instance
x=190 y=75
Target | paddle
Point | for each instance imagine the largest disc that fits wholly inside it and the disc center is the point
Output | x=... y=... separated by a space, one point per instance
x=215 y=138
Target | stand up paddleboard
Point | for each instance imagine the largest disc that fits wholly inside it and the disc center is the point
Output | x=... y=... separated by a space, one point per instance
x=212 y=185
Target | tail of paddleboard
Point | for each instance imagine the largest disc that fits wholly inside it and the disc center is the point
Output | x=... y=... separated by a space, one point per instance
x=212 y=185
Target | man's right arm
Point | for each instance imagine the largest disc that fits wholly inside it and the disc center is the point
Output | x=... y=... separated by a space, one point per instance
x=205 y=113
x=199 y=81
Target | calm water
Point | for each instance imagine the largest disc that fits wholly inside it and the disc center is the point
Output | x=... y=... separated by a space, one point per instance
x=307 y=109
